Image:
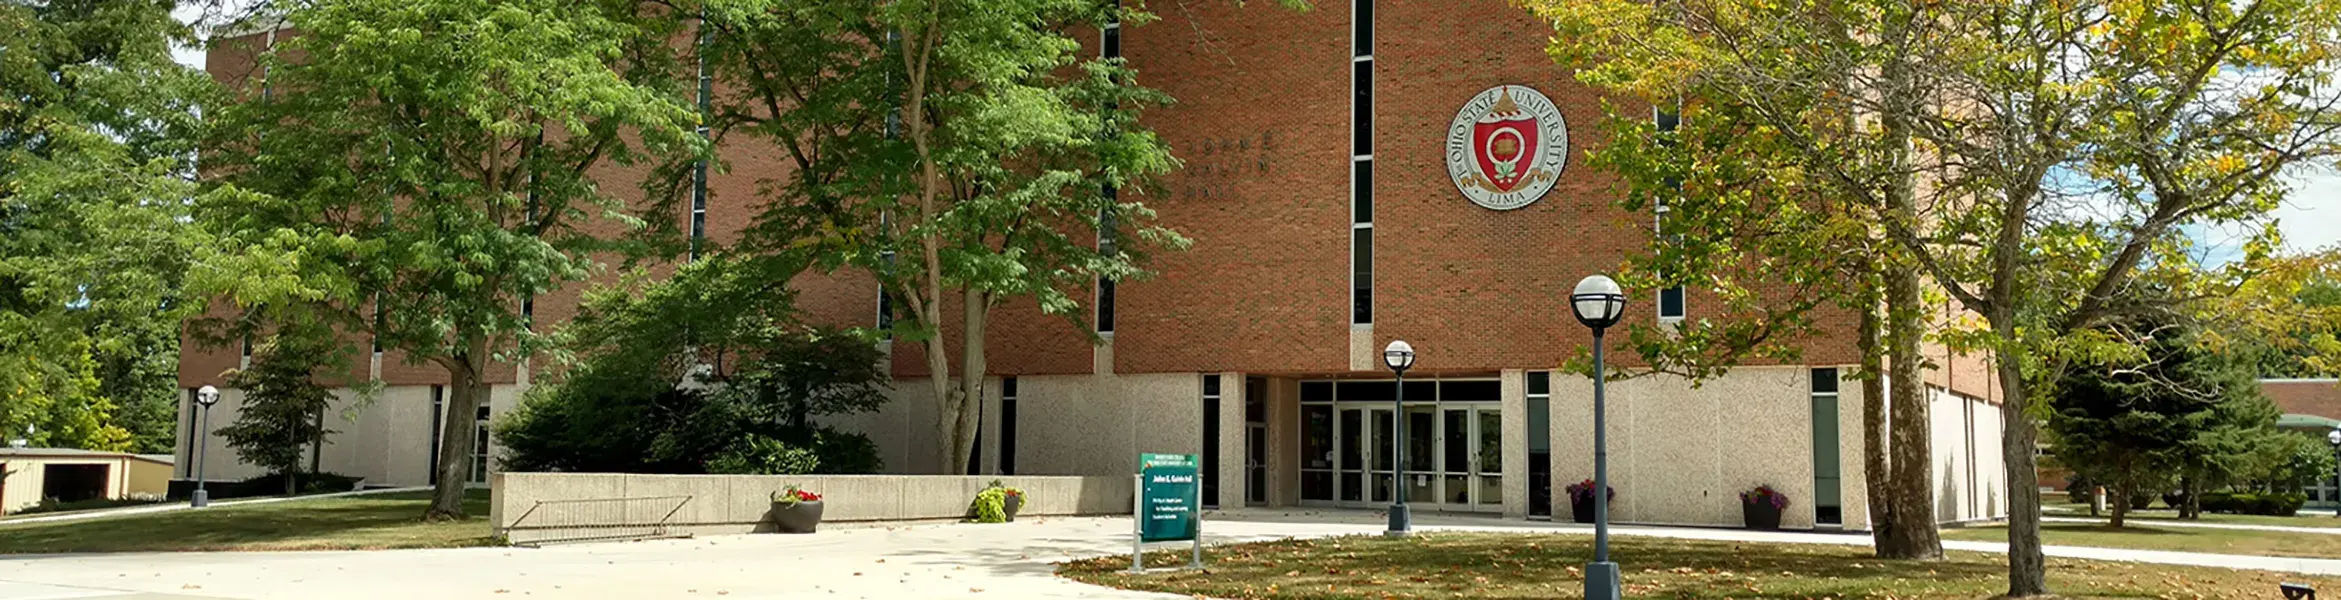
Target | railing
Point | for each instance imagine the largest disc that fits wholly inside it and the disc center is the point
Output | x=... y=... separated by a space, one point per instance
x=596 y=519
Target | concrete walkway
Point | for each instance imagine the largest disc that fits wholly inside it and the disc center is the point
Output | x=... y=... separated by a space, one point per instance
x=2237 y=526
x=176 y=505
x=923 y=561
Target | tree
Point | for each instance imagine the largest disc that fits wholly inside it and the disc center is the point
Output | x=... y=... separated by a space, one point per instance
x=97 y=133
x=1780 y=222
x=431 y=165
x=2179 y=415
x=283 y=414
x=2066 y=145
x=706 y=367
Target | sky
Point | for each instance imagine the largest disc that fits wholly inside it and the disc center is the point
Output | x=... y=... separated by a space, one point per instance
x=2310 y=218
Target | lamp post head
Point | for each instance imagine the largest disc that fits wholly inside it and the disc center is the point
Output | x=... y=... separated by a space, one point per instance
x=1598 y=301
x=2333 y=437
x=207 y=396
x=1399 y=356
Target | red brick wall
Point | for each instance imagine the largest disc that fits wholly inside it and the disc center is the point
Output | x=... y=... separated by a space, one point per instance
x=1262 y=123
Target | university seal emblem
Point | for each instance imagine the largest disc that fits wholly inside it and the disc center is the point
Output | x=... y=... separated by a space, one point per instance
x=1507 y=147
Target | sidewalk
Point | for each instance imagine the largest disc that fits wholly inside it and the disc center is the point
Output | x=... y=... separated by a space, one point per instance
x=182 y=505
x=1015 y=560
x=2169 y=523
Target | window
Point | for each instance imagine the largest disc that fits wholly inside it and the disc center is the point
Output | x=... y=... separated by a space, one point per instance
x=1361 y=108
x=479 y=447
x=1361 y=260
x=1105 y=306
x=528 y=312
x=1361 y=27
x=1671 y=303
x=1361 y=191
x=1210 y=441
x=438 y=406
x=1007 y=426
x=1828 y=488
x=1540 y=458
x=1109 y=47
x=699 y=171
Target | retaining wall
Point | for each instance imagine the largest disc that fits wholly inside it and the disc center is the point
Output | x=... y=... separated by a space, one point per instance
x=530 y=507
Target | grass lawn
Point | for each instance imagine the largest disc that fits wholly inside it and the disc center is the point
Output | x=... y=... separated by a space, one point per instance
x=2306 y=518
x=1447 y=565
x=2146 y=535
x=346 y=523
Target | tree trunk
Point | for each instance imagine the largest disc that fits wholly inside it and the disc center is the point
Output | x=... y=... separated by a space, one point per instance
x=2027 y=566
x=456 y=430
x=947 y=403
x=2192 y=509
x=1910 y=493
x=1876 y=468
x=977 y=311
x=2121 y=504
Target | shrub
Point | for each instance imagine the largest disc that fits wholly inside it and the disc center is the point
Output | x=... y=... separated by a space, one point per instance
x=310 y=483
x=845 y=453
x=991 y=505
x=759 y=455
x=2141 y=500
x=2276 y=504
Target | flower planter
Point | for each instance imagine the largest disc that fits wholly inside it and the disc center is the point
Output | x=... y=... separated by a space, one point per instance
x=797 y=517
x=1011 y=504
x=1581 y=511
x=1761 y=516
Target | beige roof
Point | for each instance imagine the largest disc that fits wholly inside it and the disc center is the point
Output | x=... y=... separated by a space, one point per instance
x=80 y=453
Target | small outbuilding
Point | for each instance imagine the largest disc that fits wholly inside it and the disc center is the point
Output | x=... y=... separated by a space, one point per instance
x=28 y=475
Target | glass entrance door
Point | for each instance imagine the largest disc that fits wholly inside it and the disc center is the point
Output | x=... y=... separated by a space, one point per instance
x=1452 y=445
x=1471 y=458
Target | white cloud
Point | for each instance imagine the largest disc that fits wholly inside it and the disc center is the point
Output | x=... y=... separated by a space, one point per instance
x=2311 y=216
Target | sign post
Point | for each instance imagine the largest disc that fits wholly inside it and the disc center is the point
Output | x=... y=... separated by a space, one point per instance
x=1168 y=506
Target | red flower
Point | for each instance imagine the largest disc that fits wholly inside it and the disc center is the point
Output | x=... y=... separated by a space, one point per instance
x=805 y=496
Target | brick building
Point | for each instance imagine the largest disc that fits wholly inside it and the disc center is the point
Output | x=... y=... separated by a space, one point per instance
x=1362 y=172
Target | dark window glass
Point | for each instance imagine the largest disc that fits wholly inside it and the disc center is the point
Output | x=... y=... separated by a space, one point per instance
x=1369 y=391
x=1421 y=391
x=1316 y=391
x=1361 y=27
x=1113 y=42
x=1255 y=400
x=1540 y=383
x=1362 y=109
x=1361 y=191
x=1211 y=385
x=1668 y=120
x=1670 y=302
x=1361 y=258
x=1825 y=381
x=1105 y=306
x=1470 y=391
x=1008 y=427
x=1540 y=413
x=1211 y=450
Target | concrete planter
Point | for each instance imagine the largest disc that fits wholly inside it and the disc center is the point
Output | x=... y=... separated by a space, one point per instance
x=1581 y=510
x=1011 y=504
x=1761 y=516
x=800 y=517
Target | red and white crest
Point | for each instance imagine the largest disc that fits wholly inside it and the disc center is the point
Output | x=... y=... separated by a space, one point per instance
x=1507 y=147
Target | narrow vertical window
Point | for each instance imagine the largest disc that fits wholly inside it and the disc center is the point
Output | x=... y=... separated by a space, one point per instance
x=1828 y=489
x=528 y=312
x=1361 y=257
x=1671 y=303
x=1540 y=457
x=1007 y=426
x=1109 y=48
x=1210 y=441
x=1361 y=162
x=479 y=447
x=438 y=406
x=699 y=171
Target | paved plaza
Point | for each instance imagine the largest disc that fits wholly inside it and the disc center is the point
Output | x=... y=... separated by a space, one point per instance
x=939 y=560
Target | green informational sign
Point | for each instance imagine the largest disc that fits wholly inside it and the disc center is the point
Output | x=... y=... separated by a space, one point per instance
x=1166 y=497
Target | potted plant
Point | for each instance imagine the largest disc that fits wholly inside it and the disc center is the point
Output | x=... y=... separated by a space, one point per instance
x=795 y=510
x=996 y=504
x=1761 y=507
x=1581 y=500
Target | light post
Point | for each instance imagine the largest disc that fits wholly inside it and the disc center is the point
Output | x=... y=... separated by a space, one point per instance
x=1598 y=303
x=206 y=397
x=2334 y=437
x=1400 y=357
